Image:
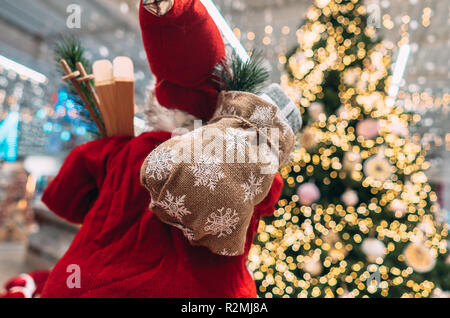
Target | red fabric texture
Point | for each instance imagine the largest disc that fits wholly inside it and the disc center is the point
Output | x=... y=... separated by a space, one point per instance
x=40 y=278
x=122 y=248
x=183 y=47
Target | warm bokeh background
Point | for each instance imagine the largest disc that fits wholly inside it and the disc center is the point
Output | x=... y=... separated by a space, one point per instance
x=49 y=124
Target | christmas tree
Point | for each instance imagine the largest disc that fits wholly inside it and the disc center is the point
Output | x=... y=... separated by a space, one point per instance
x=357 y=216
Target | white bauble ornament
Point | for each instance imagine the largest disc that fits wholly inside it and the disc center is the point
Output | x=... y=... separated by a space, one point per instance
x=373 y=248
x=315 y=110
x=351 y=160
x=350 y=198
x=347 y=294
x=352 y=76
x=426 y=227
x=419 y=257
x=342 y=112
x=398 y=127
x=313 y=267
x=398 y=207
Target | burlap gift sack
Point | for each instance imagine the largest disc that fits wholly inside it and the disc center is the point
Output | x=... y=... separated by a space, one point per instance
x=207 y=182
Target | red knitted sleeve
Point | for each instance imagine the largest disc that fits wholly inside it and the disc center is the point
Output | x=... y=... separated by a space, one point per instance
x=267 y=206
x=73 y=191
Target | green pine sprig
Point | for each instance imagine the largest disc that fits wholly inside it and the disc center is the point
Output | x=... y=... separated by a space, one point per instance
x=72 y=51
x=234 y=74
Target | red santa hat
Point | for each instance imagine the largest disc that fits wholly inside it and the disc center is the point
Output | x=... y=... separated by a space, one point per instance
x=180 y=58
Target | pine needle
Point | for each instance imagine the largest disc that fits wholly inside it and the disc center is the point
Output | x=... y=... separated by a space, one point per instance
x=236 y=75
x=72 y=51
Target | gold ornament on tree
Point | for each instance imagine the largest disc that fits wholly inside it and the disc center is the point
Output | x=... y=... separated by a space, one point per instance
x=378 y=168
x=419 y=257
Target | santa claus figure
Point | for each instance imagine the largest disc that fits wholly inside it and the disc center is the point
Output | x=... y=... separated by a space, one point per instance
x=123 y=249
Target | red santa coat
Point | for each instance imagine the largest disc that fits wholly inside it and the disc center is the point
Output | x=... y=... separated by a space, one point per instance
x=122 y=249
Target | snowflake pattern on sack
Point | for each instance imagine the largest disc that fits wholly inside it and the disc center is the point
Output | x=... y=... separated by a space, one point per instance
x=252 y=187
x=207 y=172
x=224 y=252
x=159 y=164
x=235 y=139
x=174 y=206
x=228 y=111
x=222 y=222
x=262 y=116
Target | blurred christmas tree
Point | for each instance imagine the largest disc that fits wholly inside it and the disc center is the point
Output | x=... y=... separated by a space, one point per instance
x=357 y=203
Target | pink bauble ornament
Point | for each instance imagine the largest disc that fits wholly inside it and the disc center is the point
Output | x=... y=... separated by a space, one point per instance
x=308 y=193
x=367 y=128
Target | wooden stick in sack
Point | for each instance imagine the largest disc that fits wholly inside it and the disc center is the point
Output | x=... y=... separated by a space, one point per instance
x=124 y=78
x=106 y=90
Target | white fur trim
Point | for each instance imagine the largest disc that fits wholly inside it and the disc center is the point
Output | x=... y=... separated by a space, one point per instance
x=159 y=118
x=27 y=290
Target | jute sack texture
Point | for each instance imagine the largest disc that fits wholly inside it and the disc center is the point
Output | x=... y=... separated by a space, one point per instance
x=207 y=182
